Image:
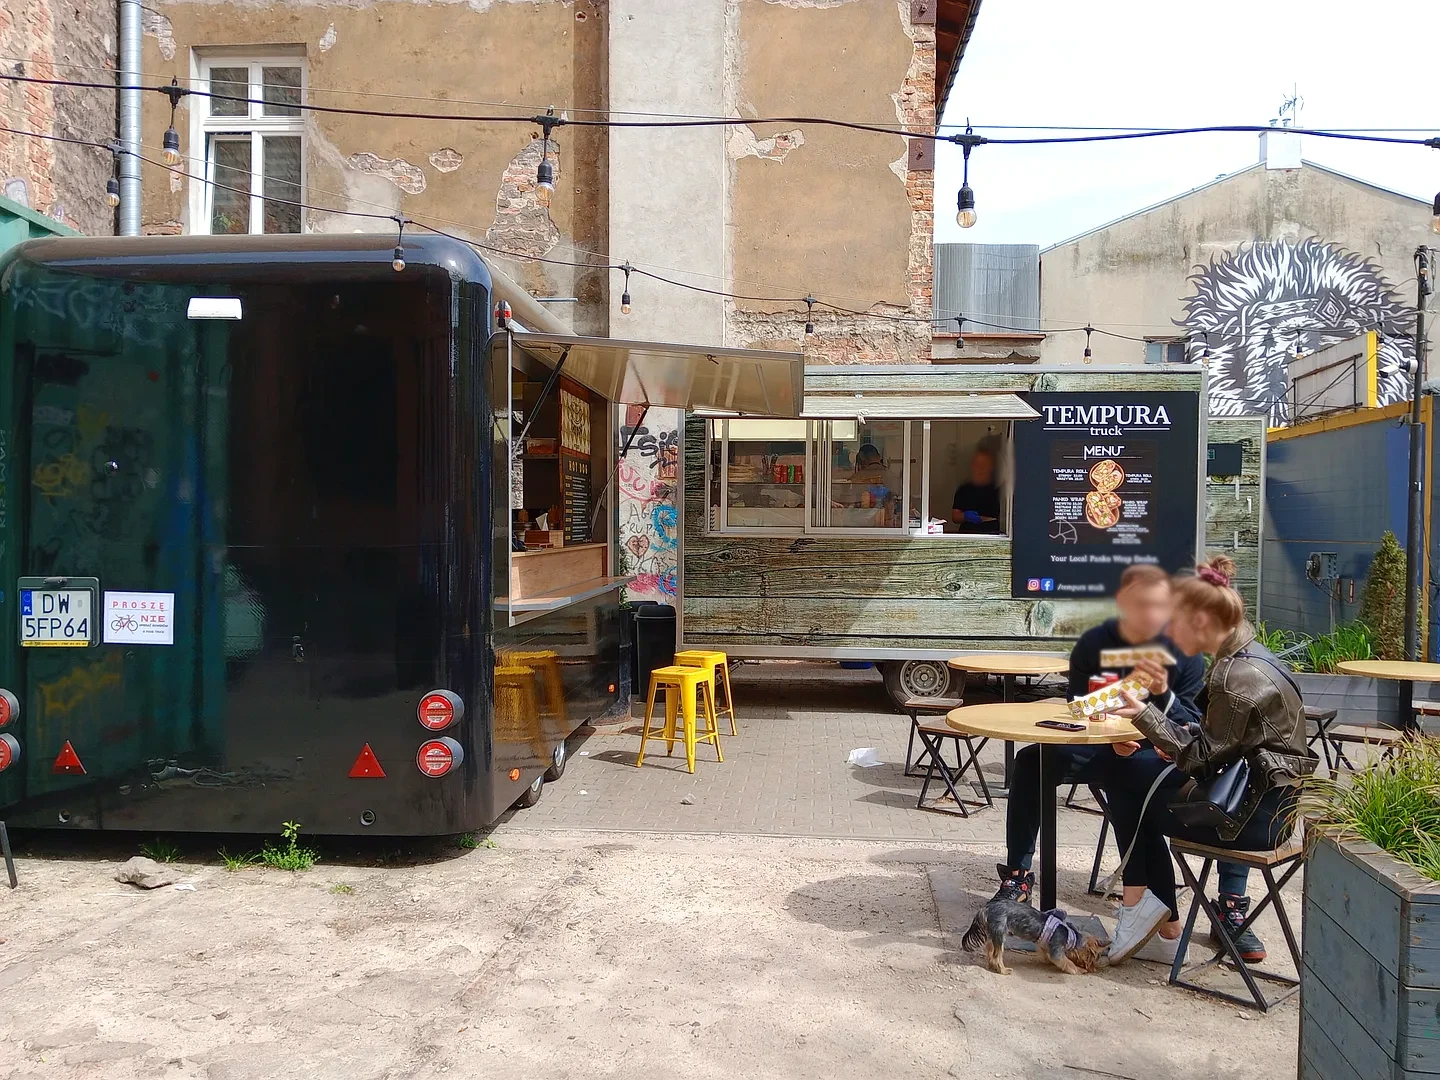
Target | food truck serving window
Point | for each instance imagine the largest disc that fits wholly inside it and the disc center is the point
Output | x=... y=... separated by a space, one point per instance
x=901 y=477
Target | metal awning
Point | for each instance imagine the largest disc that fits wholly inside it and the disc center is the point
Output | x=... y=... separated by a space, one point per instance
x=949 y=405
x=687 y=377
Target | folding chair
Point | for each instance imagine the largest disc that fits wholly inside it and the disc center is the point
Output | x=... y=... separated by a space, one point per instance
x=932 y=737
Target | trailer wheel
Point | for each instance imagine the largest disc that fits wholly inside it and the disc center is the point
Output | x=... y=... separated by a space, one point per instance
x=906 y=679
x=532 y=794
x=557 y=763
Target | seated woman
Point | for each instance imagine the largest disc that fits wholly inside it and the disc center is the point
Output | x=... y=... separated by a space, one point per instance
x=1250 y=709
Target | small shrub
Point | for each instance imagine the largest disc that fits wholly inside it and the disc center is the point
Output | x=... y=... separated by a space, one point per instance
x=236 y=862
x=292 y=856
x=160 y=850
x=341 y=889
x=1276 y=640
x=1353 y=641
x=469 y=841
x=1394 y=804
x=1382 y=601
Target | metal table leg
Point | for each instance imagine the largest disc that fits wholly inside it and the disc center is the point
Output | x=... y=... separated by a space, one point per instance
x=9 y=859
x=1046 y=845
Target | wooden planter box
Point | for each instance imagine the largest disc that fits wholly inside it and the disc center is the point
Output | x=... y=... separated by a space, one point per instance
x=1368 y=702
x=1370 y=977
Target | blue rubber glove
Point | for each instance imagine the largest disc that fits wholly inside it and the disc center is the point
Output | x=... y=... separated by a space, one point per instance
x=972 y=517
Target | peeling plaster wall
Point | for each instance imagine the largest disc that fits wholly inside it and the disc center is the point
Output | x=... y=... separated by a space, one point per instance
x=834 y=213
x=476 y=180
x=61 y=180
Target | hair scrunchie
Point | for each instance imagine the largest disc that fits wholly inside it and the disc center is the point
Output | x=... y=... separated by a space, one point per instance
x=1213 y=576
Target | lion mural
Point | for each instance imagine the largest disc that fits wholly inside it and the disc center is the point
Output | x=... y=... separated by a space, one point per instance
x=1258 y=306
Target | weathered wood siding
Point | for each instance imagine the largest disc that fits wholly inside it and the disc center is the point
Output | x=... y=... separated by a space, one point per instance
x=1370 y=977
x=881 y=593
x=1233 y=524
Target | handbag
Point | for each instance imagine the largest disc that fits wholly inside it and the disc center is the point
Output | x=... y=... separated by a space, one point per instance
x=1220 y=801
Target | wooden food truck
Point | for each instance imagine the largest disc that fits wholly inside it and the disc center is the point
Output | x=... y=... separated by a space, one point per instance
x=842 y=534
x=290 y=533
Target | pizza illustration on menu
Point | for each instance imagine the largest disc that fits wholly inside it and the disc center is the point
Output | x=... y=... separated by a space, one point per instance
x=1104 y=491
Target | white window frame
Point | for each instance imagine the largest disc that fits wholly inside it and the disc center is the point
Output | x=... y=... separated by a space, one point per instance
x=206 y=130
x=717 y=432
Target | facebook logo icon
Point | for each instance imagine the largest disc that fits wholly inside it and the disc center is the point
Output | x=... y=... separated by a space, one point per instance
x=1047 y=584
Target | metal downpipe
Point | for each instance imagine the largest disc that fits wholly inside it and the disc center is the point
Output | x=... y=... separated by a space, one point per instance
x=130 y=141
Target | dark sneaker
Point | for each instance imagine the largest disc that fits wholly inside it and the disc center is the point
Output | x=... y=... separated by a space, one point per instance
x=1015 y=885
x=1234 y=910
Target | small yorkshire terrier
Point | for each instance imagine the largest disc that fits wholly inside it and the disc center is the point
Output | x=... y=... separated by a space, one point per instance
x=1056 y=938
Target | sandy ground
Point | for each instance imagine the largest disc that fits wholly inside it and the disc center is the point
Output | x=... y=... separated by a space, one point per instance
x=568 y=954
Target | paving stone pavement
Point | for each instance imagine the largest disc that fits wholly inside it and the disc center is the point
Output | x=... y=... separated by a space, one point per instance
x=785 y=774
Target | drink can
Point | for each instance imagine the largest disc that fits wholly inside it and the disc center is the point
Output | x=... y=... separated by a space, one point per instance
x=1097 y=681
x=790 y=471
x=799 y=474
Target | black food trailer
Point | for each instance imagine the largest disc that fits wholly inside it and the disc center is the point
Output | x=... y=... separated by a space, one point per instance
x=288 y=534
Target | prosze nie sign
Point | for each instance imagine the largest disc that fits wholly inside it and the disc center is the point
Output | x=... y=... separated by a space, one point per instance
x=1103 y=481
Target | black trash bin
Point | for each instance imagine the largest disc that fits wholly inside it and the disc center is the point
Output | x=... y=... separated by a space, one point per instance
x=654 y=642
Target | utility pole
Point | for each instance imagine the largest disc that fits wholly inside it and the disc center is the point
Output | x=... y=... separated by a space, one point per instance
x=1415 y=530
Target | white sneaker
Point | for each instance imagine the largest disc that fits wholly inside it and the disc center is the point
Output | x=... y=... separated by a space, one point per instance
x=1135 y=926
x=1159 y=950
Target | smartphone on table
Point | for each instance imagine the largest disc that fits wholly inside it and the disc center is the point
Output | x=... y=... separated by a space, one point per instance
x=1060 y=725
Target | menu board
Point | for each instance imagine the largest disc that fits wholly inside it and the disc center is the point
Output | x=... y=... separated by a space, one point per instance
x=1103 y=481
x=575 y=491
x=575 y=461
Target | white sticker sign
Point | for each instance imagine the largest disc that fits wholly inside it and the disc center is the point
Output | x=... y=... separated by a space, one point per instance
x=139 y=618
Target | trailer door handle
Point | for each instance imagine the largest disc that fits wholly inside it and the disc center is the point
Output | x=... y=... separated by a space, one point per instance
x=297 y=649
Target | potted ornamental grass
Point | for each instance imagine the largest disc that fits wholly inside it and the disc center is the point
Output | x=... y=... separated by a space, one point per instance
x=1370 y=972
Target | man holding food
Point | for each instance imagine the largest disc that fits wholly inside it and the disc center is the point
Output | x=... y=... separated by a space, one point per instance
x=1131 y=645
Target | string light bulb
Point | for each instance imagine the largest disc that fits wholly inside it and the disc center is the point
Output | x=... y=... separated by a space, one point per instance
x=1089 y=357
x=959 y=332
x=398 y=262
x=965 y=215
x=809 y=314
x=112 y=192
x=545 y=171
x=625 y=295
x=170 y=143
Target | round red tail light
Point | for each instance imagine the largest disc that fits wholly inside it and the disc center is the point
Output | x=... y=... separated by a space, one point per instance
x=438 y=756
x=9 y=751
x=9 y=708
x=439 y=709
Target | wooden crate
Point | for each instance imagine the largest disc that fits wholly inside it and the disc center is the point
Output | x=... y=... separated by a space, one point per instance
x=1370 y=980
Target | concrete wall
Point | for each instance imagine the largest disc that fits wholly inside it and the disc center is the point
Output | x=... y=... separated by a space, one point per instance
x=1264 y=251
x=48 y=39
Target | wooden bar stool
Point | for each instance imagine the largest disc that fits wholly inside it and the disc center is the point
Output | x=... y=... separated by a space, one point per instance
x=687 y=683
x=720 y=674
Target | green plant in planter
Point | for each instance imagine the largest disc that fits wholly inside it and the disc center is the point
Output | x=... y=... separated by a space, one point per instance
x=1382 y=602
x=1393 y=804
x=1353 y=641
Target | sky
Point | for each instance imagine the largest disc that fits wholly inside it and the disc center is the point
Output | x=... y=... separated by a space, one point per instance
x=1167 y=63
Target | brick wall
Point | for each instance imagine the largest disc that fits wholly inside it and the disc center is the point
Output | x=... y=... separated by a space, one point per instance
x=50 y=39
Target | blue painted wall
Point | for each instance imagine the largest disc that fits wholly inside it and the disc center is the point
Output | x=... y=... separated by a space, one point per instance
x=1330 y=491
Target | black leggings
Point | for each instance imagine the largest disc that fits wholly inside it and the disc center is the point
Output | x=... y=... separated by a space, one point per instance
x=1150 y=863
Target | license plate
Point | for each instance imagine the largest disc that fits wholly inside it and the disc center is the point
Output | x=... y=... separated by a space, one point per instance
x=56 y=617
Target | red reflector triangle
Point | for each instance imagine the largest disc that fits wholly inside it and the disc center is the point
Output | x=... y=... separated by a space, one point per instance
x=366 y=764
x=67 y=762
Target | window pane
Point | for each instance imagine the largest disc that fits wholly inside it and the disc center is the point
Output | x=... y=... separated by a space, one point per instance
x=1152 y=351
x=230 y=193
x=1175 y=353
x=866 y=477
x=713 y=428
x=765 y=486
x=231 y=82
x=281 y=91
x=281 y=170
x=969 y=470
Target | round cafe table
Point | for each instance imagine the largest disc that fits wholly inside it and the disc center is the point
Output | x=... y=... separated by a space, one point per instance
x=1406 y=672
x=1009 y=666
x=1015 y=721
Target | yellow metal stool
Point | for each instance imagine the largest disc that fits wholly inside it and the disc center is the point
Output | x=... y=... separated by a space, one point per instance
x=547 y=667
x=687 y=683
x=720 y=677
x=517 y=714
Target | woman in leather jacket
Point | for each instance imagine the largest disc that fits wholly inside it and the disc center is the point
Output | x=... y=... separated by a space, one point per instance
x=1250 y=709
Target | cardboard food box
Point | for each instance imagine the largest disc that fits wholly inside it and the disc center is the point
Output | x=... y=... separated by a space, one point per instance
x=1095 y=705
x=1112 y=658
x=544 y=538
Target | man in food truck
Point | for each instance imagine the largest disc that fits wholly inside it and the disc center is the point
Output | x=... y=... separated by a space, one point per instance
x=977 y=501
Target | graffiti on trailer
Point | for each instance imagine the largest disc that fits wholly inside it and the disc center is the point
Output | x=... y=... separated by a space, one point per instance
x=649 y=520
x=1256 y=307
x=62 y=696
